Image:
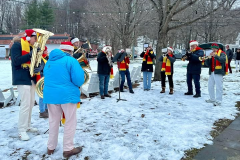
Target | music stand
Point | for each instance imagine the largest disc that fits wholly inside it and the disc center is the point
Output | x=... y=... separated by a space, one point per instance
x=119 y=58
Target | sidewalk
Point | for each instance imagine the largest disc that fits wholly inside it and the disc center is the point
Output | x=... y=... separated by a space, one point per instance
x=226 y=146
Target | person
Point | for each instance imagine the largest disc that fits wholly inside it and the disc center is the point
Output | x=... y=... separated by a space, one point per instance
x=42 y=106
x=104 y=70
x=124 y=71
x=194 y=68
x=21 y=53
x=62 y=95
x=147 y=67
x=218 y=67
x=75 y=42
x=238 y=60
x=230 y=56
x=167 y=69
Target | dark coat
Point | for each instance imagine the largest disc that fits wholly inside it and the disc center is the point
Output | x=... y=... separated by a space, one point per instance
x=229 y=53
x=221 y=59
x=194 y=66
x=20 y=76
x=237 y=55
x=172 y=60
x=147 y=67
x=103 y=66
x=77 y=55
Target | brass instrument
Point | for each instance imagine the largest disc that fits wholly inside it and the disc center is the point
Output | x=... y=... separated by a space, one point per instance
x=204 y=58
x=42 y=37
x=39 y=87
x=85 y=65
x=184 y=57
x=129 y=56
x=107 y=50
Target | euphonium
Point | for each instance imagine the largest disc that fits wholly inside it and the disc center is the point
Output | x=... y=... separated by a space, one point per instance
x=42 y=37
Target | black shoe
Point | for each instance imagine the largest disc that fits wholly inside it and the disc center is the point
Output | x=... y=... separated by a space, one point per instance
x=188 y=93
x=131 y=91
x=197 y=95
x=121 y=90
x=80 y=102
x=102 y=97
x=43 y=115
x=107 y=95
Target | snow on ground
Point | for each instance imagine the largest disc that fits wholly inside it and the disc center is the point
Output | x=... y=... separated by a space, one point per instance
x=148 y=126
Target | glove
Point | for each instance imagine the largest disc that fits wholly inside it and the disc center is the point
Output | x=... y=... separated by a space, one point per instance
x=30 y=53
x=39 y=68
x=167 y=55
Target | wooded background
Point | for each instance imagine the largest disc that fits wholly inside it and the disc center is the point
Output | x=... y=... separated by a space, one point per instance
x=120 y=22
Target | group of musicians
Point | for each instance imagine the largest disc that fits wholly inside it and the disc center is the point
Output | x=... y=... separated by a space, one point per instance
x=64 y=76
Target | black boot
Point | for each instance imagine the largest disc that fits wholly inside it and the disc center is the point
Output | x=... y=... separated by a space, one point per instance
x=131 y=91
x=197 y=95
x=188 y=93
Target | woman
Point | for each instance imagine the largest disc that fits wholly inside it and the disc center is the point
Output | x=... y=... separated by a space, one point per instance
x=62 y=78
x=147 y=67
x=167 y=69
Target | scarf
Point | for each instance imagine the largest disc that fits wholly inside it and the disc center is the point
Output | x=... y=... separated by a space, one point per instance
x=25 y=50
x=218 y=64
x=166 y=65
x=124 y=64
x=149 y=59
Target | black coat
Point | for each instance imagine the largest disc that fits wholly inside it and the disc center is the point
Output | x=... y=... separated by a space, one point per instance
x=229 y=53
x=20 y=76
x=237 y=55
x=172 y=60
x=147 y=67
x=195 y=65
x=77 y=55
x=103 y=66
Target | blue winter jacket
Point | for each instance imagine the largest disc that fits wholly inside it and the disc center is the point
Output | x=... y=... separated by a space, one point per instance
x=63 y=76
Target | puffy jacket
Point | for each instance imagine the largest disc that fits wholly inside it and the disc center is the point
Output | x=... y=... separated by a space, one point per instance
x=194 y=65
x=62 y=78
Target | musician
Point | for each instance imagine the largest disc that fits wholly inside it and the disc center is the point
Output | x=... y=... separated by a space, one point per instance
x=229 y=53
x=21 y=53
x=218 y=67
x=104 y=59
x=76 y=45
x=194 y=68
x=42 y=106
x=62 y=78
x=147 y=67
x=167 y=69
x=124 y=71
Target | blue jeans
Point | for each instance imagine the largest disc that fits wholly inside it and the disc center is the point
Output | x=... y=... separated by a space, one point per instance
x=196 y=79
x=42 y=106
x=127 y=73
x=147 y=77
x=103 y=84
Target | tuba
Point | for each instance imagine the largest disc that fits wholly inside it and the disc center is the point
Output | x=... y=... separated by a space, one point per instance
x=42 y=37
x=85 y=65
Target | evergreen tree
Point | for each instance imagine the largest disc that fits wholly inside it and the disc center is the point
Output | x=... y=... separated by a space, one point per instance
x=47 y=16
x=32 y=15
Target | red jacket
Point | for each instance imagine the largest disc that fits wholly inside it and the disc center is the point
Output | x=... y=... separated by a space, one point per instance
x=124 y=64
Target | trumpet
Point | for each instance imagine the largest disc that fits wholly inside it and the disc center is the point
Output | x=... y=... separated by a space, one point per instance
x=129 y=56
x=184 y=57
x=204 y=58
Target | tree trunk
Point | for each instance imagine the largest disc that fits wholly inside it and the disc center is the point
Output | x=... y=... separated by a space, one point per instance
x=162 y=43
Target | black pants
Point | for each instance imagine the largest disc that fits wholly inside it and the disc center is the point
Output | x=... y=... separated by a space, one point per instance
x=163 y=79
x=229 y=66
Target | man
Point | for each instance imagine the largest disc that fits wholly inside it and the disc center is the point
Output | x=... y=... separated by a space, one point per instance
x=75 y=42
x=194 y=68
x=62 y=78
x=42 y=106
x=229 y=56
x=21 y=53
x=147 y=67
x=124 y=71
x=238 y=60
x=217 y=69
x=104 y=59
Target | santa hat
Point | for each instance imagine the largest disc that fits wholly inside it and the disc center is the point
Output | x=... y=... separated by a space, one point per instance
x=215 y=45
x=193 y=42
x=45 y=48
x=74 y=39
x=170 y=48
x=29 y=33
x=106 y=48
x=68 y=46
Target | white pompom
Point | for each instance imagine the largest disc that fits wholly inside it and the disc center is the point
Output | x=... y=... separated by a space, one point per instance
x=28 y=38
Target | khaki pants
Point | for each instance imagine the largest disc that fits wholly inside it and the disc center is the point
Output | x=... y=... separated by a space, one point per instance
x=27 y=95
x=55 y=113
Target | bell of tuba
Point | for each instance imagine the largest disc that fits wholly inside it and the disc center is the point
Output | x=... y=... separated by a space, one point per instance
x=42 y=37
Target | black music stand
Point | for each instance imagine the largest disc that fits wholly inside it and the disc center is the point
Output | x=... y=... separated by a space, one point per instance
x=119 y=58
